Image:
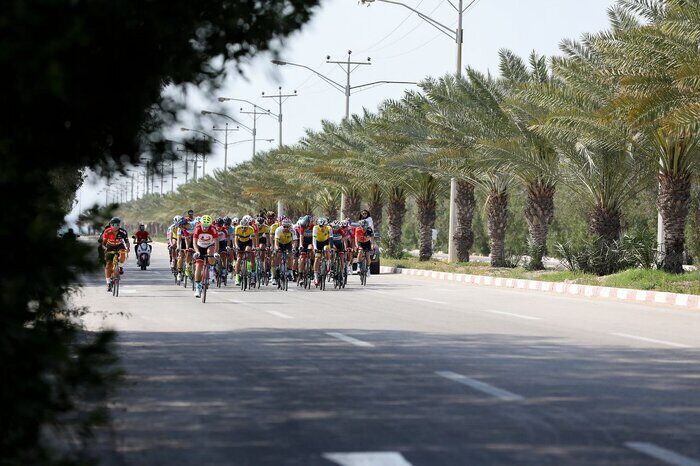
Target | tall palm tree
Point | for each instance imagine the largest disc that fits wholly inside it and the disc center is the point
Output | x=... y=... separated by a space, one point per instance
x=405 y=132
x=598 y=157
x=655 y=59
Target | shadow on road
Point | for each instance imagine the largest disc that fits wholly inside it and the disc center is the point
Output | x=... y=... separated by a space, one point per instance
x=259 y=397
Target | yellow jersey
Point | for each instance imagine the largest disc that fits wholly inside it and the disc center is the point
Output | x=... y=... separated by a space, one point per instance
x=243 y=234
x=262 y=229
x=322 y=233
x=274 y=228
x=284 y=237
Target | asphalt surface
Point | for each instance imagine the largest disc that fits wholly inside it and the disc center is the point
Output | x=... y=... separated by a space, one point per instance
x=402 y=371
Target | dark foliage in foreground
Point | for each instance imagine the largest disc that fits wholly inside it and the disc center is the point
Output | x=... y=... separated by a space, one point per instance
x=82 y=89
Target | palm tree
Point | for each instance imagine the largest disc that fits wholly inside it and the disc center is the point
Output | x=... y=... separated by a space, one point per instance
x=598 y=157
x=657 y=67
x=405 y=132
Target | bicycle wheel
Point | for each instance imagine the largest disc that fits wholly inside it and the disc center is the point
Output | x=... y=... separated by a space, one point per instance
x=205 y=282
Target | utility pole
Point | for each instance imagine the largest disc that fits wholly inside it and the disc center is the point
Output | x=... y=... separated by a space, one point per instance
x=279 y=99
x=348 y=67
x=255 y=117
x=187 y=153
x=226 y=130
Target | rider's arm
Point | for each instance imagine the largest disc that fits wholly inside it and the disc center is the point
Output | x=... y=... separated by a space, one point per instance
x=313 y=236
x=126 y=241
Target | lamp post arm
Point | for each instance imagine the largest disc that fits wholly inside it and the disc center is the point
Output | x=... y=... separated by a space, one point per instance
x=448 y=31
x=383 y=82
x=207 y=112
x=335 y=84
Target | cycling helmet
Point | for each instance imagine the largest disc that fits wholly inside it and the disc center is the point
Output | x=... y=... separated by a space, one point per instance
x=205 y=221
x=235 y=220
x=322 y=221
x=344 y=223
x=189 y=213
x=261 y=220
x=198 y=219
x=227 y=221
x=336 y=224
x=177 y=218
x=220 y=221
x=363 y=223
x=305 y=221
x=270 y=214
x=246 y=220
x=115 y=221
x=286 y=223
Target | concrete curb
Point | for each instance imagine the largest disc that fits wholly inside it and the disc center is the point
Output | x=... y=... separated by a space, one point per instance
x=687 y=301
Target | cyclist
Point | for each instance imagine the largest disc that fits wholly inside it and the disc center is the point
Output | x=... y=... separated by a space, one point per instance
x=284 y=238
x=264 y=239
x=206 y=242
x=224 y=238
x=320 y=239
x=171 y=236
x=339 y=240
x=364 y=242
x=185 y=230
x=228 y=224
x=304 y=242
x=350 y=233
x=114 y=240
x=273 y=228
x=244 y=242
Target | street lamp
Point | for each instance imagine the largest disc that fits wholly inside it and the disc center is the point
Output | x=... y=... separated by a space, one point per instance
x=252 y=131
x=458 y=36
x=254 y=113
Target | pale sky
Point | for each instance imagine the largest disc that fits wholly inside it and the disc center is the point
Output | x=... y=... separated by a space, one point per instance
x=402 y=47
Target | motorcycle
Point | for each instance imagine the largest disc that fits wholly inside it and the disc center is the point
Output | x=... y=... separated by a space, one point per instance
x=143 y=254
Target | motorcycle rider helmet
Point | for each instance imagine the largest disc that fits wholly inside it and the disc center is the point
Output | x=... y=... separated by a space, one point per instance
x=205 y=220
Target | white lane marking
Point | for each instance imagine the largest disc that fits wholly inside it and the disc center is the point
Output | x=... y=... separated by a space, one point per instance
x=235 y=301
x=429 y=300
x=351 y=340
x=483 y=387
x=652 y=340
x=368 y=458
x=280 y=314
x=662 y=454
x=511 y=314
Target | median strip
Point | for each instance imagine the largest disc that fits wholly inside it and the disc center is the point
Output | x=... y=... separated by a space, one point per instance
x=662 y=454
x=478 y=385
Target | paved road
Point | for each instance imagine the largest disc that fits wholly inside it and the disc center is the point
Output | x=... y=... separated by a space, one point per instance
x=403 y=371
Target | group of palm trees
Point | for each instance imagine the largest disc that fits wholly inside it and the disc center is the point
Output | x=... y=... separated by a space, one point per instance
x=615 y=113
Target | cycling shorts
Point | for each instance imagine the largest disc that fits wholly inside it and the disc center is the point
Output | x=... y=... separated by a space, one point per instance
x=321 y=245
x=242 y=245
x=262 y=240
x=285 y=247
x=338 y=246
x=366 y=246
x=203 y=251
x=183 y=243
x=223 y=245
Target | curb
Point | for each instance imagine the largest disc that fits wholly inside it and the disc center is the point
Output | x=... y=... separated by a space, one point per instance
x=688 y=301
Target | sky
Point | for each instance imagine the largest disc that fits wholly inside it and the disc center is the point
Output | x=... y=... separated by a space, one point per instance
x=402 y=47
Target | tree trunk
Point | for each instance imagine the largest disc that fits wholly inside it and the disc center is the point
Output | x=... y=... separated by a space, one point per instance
x=674 y=203
x=375 y=205
x=426 y=223
x=605 y=224
x=539 y=213
x=463 y=234
x=353 y=204
x=497 y=213
x=395 y=211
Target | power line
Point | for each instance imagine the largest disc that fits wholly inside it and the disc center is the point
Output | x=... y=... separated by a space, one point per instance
x=392 y=31
x=420 y=23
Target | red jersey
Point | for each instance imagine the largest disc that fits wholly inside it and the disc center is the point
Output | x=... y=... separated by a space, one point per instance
x=223 y=232
x=141 y=235
x=205 y=237
x=339 y=234
x=306 y=233
x=114 y=236
x=362 y=235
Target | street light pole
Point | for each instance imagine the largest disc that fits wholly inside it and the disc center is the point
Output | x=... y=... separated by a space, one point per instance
x=458 y=36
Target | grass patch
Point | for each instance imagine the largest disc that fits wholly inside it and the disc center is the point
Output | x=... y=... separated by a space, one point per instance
x=638 y=279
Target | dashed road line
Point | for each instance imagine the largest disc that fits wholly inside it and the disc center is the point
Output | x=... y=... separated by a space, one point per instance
x=512 y=314
x=662 y=454
x=651 y=340
x=369 y=458
x=429 y=300
x=280 y=314
x=351 y=340
x=478 y=385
